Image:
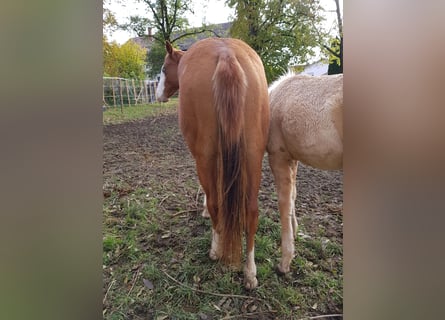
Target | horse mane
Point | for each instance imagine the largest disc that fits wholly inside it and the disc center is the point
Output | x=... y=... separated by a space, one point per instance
x=283 y=77
x=230 y=91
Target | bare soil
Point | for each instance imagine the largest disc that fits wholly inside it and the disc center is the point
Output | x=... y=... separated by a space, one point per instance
x=151 y=154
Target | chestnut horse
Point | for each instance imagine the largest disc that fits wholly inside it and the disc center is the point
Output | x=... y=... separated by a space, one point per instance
x=306 y=125
x=224 y=118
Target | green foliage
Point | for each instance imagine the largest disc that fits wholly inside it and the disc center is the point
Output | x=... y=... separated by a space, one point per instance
x=109 y=22
x=335 y=46
x=282 y=32
x=335 y=60
x=137 y=24
x=168 y=17
x=125 y=61
x=155 y=59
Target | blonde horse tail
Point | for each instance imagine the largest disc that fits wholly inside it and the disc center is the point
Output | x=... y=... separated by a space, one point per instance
x=230 y=90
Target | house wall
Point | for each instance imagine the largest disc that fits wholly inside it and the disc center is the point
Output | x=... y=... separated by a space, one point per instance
x=316 y=69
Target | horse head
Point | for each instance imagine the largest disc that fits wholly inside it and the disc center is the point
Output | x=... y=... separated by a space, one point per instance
x=169 y=82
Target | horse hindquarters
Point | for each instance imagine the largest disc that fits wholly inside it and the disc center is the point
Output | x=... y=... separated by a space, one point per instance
x=221 y=122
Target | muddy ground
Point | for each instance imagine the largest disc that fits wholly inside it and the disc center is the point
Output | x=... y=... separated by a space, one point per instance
x=150 y=154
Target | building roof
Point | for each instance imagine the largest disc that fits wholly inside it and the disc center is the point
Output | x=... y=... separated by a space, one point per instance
x=144 y=42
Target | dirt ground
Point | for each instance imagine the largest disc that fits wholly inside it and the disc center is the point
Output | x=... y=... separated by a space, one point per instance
x=151 y=154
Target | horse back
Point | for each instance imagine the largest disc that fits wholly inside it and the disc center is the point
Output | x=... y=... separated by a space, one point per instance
x=307 y=120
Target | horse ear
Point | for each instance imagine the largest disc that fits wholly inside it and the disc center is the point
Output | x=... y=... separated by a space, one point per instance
x=168 y=47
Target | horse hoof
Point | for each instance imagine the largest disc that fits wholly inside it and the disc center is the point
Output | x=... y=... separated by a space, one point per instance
x=282 y=271
x=213 y=255
x=250 y=283
x=205 y=213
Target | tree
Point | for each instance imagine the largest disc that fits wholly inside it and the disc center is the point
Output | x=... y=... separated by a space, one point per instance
x=125 y=61
x=168 y=17
x=282 y=32
x=137 y=24
x=168 y=20
x=155 y=59
x=335 y=58
x=336 y=46
x=109 y=22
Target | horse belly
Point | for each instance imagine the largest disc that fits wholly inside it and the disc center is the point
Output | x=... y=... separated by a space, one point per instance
x=322 y=149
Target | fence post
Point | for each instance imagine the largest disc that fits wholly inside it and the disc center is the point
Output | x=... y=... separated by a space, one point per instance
x=134 y=92
x=145 y=91
x=155 y=87
x=122 y=96
x=128 y=95
x=114 y=95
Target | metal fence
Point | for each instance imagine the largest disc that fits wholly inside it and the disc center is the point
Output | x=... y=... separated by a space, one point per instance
x=127 y=92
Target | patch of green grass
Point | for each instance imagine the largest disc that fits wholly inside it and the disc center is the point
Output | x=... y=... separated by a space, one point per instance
x=144 y=240
x=334 y=249
x=265 y=247
x=290 y=296
x=264 y=271
x=111 y=242
x=115 y=115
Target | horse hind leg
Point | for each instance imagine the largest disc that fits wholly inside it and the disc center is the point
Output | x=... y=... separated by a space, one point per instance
x=205 y=211
x=205 y=168
x=216 y=247
x=284 y=171
x=250 y=280
x=294 y=197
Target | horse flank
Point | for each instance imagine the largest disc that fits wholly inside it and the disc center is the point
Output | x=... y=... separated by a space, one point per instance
x=230 y=90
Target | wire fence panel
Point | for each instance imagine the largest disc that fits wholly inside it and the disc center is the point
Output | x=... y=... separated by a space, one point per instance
x=127 y=92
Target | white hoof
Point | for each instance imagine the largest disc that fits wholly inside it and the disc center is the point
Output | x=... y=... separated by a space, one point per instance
x=205 y=213
x=250 y=283
x=213 y=255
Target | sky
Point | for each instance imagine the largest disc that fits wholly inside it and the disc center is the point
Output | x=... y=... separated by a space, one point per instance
x=217 y=12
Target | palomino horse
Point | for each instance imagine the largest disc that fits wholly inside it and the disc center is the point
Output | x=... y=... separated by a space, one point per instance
x=224 y=118
x=306 y=125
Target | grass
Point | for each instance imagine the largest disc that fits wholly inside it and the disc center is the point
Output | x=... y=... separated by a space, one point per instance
x=156 y=264
x=115 y=115
x=146 y=245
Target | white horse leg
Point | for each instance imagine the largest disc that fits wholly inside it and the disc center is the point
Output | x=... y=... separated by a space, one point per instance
x=205 y=212
x=294 y=197
x=283 y=171
x=215 y=249
x=250 y=280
